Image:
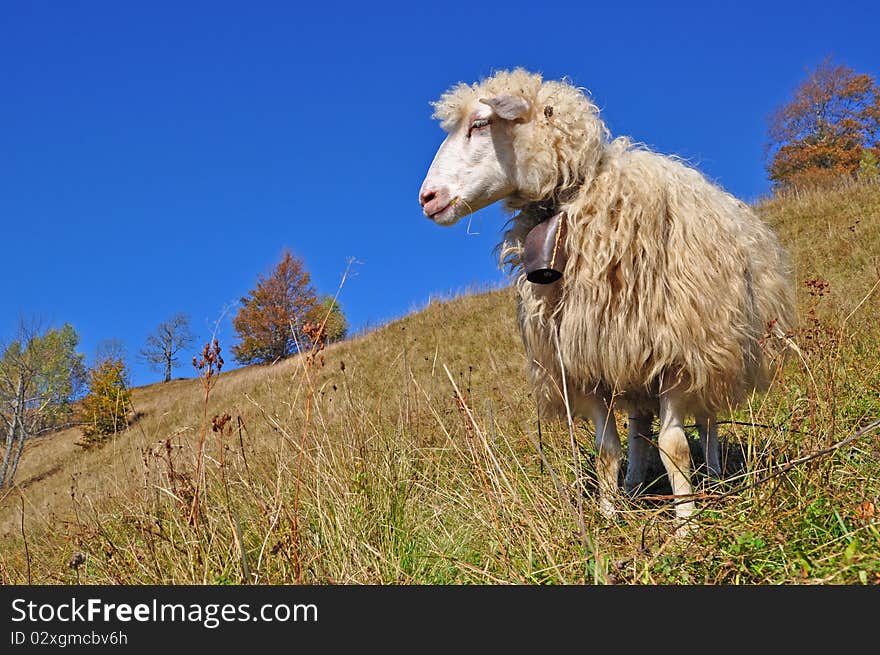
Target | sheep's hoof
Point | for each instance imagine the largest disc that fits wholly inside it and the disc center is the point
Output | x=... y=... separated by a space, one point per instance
x=685 y=530
x=607 y=509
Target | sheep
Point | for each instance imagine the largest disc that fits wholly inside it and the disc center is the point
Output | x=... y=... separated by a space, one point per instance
x=676 y=298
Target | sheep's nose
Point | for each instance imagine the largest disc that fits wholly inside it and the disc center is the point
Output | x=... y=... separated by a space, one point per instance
x=427 y=196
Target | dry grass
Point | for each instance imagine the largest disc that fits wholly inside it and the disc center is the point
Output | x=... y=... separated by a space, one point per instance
x=412 y=455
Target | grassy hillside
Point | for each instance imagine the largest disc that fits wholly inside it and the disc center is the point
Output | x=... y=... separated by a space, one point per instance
x=412 y=455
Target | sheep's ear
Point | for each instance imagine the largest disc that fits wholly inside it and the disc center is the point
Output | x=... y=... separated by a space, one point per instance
x=507 y=106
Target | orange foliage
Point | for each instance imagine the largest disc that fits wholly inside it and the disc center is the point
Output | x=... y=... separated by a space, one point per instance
x=106 y=407
x=823 y=132
x=269 y=320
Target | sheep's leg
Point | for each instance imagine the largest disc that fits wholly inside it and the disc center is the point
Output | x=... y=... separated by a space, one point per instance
x=674 y=452
x=708 y=429
x=638 y=448
x=608 y=452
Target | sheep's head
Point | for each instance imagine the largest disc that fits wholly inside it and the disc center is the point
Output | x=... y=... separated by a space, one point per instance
x=476 y=164
x=512 y=137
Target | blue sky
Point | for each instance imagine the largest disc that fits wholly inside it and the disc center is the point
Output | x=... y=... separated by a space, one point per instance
x=155 y=157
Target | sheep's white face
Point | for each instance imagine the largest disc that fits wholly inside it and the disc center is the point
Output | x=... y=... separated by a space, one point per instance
x=475 y=165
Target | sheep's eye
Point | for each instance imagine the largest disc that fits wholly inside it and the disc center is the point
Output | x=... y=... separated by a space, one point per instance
x=478 y=124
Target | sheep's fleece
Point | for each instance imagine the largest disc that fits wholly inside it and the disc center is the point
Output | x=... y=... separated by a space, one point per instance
x=671 y=282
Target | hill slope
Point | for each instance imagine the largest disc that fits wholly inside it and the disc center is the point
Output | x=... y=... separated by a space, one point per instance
x=412 y=455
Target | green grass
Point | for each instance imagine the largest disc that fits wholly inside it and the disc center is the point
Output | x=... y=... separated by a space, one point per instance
x=411 y=455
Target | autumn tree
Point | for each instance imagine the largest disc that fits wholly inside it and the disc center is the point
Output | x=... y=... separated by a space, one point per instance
x=162 y=346
x=106 y=407
x=826 y=129
x=41 y=374
x=328 y=313
x=269 y=321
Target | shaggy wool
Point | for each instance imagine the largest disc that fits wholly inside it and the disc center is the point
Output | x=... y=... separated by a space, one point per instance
x=671 y=282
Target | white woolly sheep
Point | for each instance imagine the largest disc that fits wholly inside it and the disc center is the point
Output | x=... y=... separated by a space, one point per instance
x=674 y=291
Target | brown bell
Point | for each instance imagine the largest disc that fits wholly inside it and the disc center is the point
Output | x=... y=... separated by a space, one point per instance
x=544 y=254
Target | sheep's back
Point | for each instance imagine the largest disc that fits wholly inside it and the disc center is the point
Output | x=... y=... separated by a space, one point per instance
x=671 y=282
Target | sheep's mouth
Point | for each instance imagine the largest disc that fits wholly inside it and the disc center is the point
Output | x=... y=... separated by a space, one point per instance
x=436 y=215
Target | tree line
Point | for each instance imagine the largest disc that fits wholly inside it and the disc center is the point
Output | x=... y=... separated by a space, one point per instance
x=45 y=383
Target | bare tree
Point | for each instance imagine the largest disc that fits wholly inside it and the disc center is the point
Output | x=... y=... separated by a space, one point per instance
x=14 y=432
x=162 y=346
x=109 y=349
